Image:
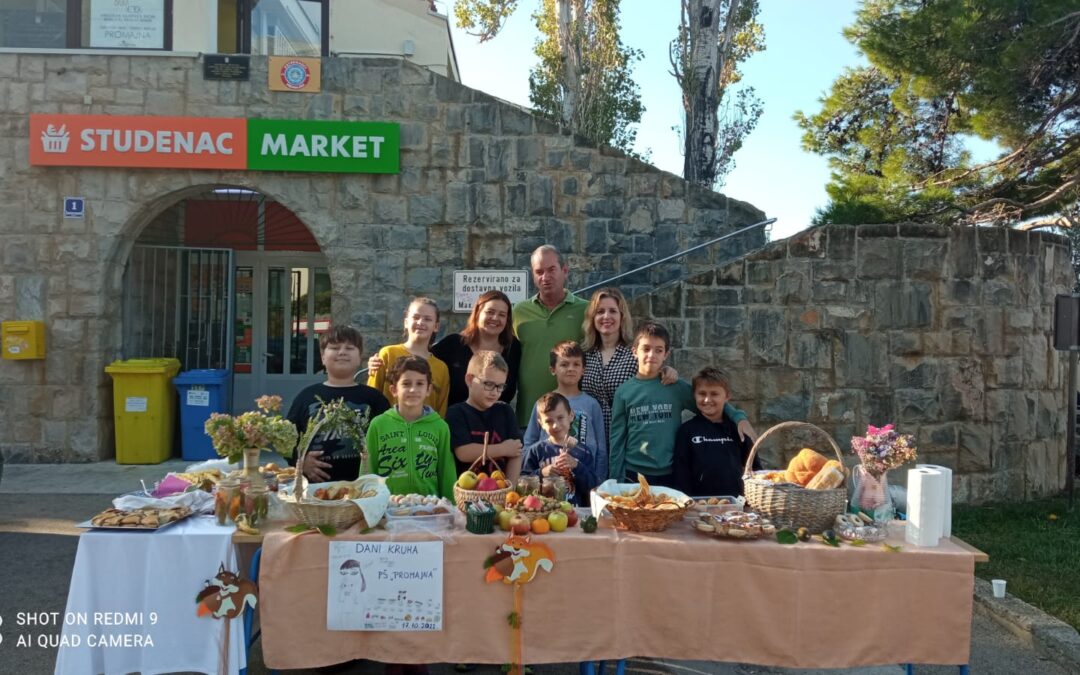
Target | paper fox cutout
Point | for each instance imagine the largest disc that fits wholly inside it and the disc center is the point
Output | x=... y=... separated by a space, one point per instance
x=517 y=561
x=225 y=596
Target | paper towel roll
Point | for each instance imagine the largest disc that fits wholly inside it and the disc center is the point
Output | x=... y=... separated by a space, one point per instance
x=925 y=507
x=946 y=524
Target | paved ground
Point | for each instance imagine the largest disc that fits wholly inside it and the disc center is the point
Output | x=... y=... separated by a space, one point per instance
x=39 y=505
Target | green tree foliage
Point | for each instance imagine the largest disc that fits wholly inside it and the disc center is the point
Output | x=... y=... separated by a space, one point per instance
x=607 y=99
x=1006 y=71
x=584 y=78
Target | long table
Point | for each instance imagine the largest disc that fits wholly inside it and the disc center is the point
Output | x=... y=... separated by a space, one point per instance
x=677 y=594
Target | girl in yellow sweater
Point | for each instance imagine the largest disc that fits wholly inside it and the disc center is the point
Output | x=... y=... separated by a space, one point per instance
x=421 y=326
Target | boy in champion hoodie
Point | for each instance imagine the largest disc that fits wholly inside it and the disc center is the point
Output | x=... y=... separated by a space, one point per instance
x=409 y=444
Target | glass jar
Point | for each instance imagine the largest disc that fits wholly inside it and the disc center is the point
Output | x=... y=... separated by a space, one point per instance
x=528 y=485
x=229 y=499
x=553 y=486
x=256 y=503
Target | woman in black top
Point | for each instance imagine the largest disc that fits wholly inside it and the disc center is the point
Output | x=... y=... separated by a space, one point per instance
x=489 y=328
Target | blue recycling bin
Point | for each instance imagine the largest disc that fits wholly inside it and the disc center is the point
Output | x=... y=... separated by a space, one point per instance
x=201 y=392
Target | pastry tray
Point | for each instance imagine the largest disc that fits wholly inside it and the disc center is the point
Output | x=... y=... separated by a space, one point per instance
x=85 y=525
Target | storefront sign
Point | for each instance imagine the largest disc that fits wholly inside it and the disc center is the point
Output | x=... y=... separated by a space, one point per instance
x=294 y=73
x=226 y=67
x=385 y=585
x=214 y=143
x=326 y=146
x=471 y=284
x=127 y=24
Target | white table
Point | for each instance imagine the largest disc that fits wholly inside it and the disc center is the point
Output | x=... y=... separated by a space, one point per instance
x=127 y=576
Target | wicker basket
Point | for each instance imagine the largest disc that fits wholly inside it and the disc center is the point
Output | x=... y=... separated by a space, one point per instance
x=341 y=514
x=496 y=498
x=645 y=520
x=792 y=506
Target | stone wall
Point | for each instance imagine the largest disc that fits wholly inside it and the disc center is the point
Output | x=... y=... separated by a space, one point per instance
x=946 y=332
x=482 y=183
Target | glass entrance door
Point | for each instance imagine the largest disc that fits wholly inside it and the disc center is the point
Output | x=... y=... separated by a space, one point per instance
x=282 y=306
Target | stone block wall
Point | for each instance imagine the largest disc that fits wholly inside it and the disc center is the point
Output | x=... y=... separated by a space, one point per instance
x=945 y=332
x=482 y=183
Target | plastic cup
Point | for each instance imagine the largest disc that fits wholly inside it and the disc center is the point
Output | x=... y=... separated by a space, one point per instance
x=999 y=587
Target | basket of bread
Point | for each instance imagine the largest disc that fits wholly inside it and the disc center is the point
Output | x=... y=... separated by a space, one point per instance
x=643 y=508
x=810 y=493
x=336 y=503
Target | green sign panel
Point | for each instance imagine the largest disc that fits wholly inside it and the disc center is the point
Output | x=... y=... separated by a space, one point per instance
x=323 y=146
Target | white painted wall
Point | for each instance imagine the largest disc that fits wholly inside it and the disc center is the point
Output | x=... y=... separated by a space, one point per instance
x=381 y=27
x=195 y=26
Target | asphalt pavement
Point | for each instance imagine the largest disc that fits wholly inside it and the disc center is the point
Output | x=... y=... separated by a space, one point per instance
x=39 y=505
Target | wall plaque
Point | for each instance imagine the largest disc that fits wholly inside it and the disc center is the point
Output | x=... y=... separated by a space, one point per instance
x=226 y=67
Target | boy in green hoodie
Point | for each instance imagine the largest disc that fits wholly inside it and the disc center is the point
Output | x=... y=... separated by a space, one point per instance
x=409 y=444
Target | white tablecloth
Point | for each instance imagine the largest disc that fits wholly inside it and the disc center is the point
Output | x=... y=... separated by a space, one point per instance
x=126 y=576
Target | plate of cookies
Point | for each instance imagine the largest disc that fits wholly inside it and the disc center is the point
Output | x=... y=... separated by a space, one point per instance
x=146 y=519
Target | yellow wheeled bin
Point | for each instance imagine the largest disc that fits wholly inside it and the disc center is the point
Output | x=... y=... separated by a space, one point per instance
x=144 y=409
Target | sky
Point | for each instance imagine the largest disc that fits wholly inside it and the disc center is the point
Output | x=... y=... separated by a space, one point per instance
x=804 y=52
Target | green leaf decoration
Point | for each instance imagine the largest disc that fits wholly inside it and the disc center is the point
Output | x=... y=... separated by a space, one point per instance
x=857 y=542
x=892 y=549
x=328 y=530
x=514 y=619
x=298 y=528
x=489 y=561
x=786 y=537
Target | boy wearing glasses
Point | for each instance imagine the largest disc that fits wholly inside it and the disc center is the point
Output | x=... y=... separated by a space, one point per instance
x=482 y=413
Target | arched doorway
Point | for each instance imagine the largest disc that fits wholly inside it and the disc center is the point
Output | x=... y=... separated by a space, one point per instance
x=230 y=278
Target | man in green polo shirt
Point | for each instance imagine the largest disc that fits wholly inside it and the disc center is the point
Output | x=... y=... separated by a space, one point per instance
x=552 y=315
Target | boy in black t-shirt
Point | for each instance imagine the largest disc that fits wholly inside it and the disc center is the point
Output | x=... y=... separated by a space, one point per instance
x=484 y=412
x=331 y=457
x=709 y=457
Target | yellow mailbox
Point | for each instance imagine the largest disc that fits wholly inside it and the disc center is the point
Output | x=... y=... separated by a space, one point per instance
x=23 y=339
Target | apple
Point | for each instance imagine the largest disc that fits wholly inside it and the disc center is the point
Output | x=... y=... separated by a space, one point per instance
x=487 y=484
x=520 y=524
x=532 y=503
x=558 y=521
x=467 y=480
x=566 y=507
x=571 y=518
x=504 y=519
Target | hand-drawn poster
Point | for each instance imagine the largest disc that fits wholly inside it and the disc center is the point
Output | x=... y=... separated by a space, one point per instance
x=385 y=585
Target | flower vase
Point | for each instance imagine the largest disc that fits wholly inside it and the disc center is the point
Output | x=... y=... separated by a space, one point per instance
x=872 y=494
x=251 y=465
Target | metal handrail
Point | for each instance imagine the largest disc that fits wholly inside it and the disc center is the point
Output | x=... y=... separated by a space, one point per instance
x=601 y=284
x=673 y=256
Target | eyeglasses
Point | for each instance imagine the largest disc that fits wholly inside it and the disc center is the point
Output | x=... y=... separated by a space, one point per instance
x=493 y=386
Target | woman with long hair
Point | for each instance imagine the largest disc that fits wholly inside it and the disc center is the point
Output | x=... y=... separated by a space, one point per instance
x=609 y=359
x=490 y=328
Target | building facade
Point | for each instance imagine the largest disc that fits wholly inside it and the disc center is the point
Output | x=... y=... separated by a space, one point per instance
x=238 y=259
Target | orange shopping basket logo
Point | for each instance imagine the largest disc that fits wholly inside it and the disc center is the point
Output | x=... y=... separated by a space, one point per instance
x=150 y=142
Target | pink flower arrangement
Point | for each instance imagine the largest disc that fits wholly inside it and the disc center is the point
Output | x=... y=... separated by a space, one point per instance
x=882 y=449
x=262 y=428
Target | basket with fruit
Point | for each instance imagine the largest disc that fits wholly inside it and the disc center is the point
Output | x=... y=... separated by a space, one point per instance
x=483 y=481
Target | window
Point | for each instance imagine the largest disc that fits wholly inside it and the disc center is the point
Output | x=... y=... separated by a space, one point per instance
x=86 y=24
x=275 y=27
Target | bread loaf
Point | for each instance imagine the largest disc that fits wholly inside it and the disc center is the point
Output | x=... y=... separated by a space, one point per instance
x=831 y=476
x=805 y=466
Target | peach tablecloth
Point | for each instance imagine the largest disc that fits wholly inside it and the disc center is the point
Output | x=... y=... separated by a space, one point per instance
x=677 y=594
